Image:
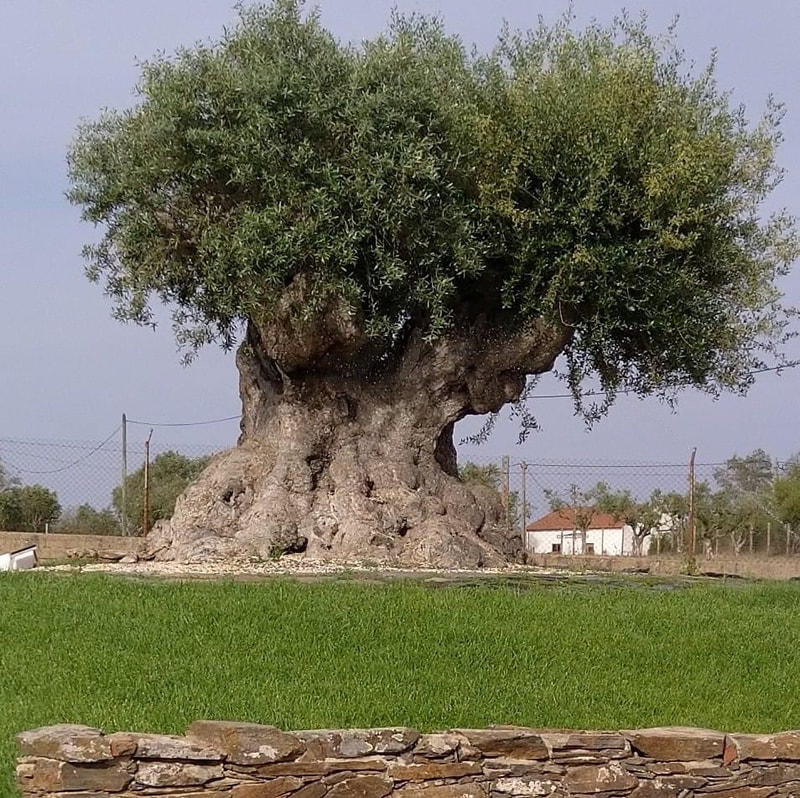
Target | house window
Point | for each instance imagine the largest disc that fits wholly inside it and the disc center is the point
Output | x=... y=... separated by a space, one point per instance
x=590 y=548
x=556 y=548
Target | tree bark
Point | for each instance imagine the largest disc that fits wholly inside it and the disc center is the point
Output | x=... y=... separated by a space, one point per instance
x=352 y=464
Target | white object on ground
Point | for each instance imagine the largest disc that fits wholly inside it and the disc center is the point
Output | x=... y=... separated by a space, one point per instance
x=19 y=560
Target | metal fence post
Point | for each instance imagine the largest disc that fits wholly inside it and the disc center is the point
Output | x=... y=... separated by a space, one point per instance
x=146 y=502
x=505 y=469
x=692 y=540
x=124 y=485
x=524 y=466
x=769 y=538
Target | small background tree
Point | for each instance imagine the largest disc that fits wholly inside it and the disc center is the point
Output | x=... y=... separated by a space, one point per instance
x=645 y=518
x=786 y=492
x=745 y=502
x=87 y=520
x=28 y=508
x=582 y=505
x=673 y=536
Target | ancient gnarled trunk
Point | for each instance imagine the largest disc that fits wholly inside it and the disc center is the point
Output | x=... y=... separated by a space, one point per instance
x=352 y=462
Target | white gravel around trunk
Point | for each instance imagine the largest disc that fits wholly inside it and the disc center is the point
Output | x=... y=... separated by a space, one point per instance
x=295 y=566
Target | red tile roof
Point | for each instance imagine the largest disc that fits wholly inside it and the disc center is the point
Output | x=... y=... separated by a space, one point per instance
x=564 y=519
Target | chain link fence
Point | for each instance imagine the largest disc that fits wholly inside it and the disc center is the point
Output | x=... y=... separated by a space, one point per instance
x=628 y=508
x=566 y=506
x=75 y=486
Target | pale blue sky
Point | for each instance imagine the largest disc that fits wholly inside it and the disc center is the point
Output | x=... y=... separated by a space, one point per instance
x=67 y=370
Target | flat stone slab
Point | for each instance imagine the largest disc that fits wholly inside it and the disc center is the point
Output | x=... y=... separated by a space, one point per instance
x=66 y=742
x=528 y=786
x=444 y=791
x=268 y=789
x=435 y=746
x=162 y=746
x=362 y=787
x=587 y=741
x=514 y=743
x=596 y=779
x=52 y=775
x=176 y=774
x=433 y=770
x=246 y=743
x=677 y=743
x=785 y=745
x=354 y=743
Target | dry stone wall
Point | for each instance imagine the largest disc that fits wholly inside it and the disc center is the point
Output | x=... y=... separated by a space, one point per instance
x=218 y=759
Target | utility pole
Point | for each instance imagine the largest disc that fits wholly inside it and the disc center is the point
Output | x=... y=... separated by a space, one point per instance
x=124 y=487
x=146 y=503
x=505 y=468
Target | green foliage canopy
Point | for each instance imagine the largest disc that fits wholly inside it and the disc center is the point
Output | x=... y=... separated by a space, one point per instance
x=745 y=499
x=587 y=179
x=751 y=473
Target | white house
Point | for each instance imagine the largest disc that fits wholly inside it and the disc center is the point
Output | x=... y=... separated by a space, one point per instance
x=559 y=532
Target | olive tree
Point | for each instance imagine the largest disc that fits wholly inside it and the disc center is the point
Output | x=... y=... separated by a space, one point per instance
x=645 y=518
x=397 y=235
x=745 y=502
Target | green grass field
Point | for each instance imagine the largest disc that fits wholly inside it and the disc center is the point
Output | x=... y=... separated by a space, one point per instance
x=153 y=656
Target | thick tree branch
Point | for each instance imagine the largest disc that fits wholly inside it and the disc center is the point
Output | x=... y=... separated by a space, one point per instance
x=480 y=370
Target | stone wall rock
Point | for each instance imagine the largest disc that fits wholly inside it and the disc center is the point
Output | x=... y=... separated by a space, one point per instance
x=247 y=743
x=677 y=743
x=220 y=759
x=66 y=744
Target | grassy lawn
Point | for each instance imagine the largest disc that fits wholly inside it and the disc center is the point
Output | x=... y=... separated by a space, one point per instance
x=153 y=656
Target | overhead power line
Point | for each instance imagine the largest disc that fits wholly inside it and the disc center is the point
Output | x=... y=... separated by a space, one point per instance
x=50 y=444
x=237 y=417
x=184 y=423
x=790 y=365
x=74 y=462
